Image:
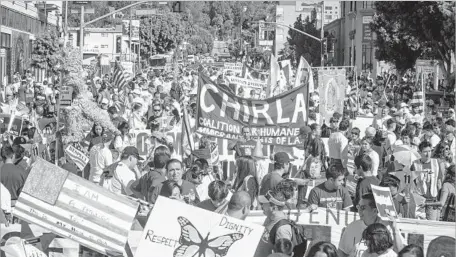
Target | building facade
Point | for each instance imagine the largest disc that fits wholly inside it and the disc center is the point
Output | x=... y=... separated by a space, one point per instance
x=288 y=11
x=354 y=40
x=20 y=24
x=332 y=11
x=107 y=45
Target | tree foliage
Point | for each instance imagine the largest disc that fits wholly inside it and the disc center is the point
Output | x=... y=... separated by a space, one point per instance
x=46 y=51
x=199 y=24
x=303 y=45
x=161 y=34
x=407 y=31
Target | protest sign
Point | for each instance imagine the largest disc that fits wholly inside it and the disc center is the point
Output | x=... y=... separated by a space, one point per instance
x=362 y=123
x=65 y=96
x=16 y=125
x=75 y=208
x=77 y=156
x=328 y=224
x=331 y=85
x=235 y=67
x=384 y=201
x=274 y=120
x=249 y=83
x=192 y=231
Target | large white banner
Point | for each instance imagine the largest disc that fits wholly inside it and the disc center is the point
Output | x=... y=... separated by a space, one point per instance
x=192 y=231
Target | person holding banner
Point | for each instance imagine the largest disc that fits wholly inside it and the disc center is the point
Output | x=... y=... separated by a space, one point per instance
x=245 y=146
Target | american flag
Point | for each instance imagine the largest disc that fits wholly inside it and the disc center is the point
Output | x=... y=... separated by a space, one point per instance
x=419 y=96
x=120 y=77
x=75 y=208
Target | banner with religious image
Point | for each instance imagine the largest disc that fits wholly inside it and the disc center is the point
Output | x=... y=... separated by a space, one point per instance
x=331 y=85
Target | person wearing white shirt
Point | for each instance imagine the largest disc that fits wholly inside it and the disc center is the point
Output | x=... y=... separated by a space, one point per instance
x=100 y=157
x=5 y=200
x=122 y=177
x=379 y=120
x=366 y=148
x=429 y=135
x=337 y=144
x=415 y=116
x=351 y=244
x=390 y=134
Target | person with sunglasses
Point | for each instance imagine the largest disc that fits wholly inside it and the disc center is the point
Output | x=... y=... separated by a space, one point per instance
x=351 y=243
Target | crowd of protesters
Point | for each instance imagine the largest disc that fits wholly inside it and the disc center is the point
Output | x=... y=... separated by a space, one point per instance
x=346 y=164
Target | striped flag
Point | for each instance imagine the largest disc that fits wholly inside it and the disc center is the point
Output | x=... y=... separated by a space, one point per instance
x=77 y=156
x=75 y=208
x=304 y=74
x=273 y=76
x=419 y=96
x=120 y=77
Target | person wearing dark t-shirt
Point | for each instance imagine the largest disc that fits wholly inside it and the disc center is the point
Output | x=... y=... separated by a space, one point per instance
x=174 y=173
x=12 y=176
x=281 y=167
x=364 y=170
x=144 y=187
x=331 y=193
x=245 y=146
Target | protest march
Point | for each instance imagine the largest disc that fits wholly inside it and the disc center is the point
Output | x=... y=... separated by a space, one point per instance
x=185 y=152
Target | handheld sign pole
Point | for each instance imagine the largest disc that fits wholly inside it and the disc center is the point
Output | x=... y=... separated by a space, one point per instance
x=12 y=118
x=56 y=161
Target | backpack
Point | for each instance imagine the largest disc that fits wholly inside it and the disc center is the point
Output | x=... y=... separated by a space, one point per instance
x=299 y=238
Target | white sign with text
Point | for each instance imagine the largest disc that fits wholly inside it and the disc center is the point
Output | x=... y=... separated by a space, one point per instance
x=192 y=231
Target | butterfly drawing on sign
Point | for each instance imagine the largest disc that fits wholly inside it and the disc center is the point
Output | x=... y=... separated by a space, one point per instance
x=192 y=244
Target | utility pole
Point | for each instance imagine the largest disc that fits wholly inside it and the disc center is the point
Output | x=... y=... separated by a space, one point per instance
x=322 y=33
x=81 y=33
x=129 y=35
x=66 y=22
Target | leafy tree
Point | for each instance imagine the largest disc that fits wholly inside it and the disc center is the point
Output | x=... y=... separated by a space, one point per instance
x=46 y=52
x=407 y=31
x=161 y=34
x=303 y=45
x=288 y=53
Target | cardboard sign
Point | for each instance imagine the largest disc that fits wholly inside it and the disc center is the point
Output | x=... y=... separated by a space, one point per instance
x=77 y=156
x=75 y=208
x=274 y=120
x=16 y=126
x=384 y=202
x=66 y=96
x=192 y=231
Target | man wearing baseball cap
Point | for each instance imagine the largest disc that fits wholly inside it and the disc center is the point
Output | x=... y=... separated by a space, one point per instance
x=281 y=167
x=119 y=177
